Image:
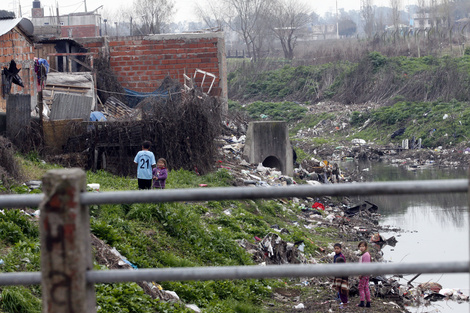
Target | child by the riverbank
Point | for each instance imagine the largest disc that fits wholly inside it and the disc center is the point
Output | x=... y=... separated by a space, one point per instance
x=364 y=290
x=340 y=284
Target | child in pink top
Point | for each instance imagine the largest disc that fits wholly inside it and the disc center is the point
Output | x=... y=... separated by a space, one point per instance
x=364 y=290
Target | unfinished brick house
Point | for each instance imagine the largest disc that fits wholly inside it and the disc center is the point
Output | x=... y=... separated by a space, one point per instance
x=141 y=63
x=16 y=44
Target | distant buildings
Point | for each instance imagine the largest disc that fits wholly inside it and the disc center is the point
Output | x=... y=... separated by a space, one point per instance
x=73 y=25
x=427 y=20
x=324 y=32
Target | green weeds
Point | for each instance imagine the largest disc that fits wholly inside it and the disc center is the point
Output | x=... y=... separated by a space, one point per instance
x=436 y=123
x=19 y=299
x=374 y=78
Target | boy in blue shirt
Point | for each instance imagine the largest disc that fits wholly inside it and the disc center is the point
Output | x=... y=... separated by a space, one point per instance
x=145 y=160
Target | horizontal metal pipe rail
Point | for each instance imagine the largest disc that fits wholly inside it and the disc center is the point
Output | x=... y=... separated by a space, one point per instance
x=252 y=271
x=239 y=193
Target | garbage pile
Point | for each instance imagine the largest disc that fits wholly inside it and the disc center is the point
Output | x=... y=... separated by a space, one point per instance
x=412 y=295
x=273 y=250
x=321 y=171
x=112 y=259
x=313 y=171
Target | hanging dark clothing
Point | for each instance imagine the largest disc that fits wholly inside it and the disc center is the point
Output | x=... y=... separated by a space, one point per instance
x=10 y=76
x=41 y=68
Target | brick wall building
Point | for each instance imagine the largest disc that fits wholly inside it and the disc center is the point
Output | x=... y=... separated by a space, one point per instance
x=16 y=44
x=141 y=63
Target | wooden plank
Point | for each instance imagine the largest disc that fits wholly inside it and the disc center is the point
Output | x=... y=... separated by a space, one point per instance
x=81 y=63
x=67 y=86
x=68 y=89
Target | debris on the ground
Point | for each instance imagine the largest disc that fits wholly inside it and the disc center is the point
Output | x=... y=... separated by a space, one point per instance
x=272 y=249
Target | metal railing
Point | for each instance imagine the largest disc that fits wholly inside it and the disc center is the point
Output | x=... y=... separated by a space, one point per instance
x=231 y=193
x=240 y=193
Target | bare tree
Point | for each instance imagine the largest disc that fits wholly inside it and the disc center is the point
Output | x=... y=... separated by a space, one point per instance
x=445 y=13
x=211 y=13
x=368 y=16
x=434 y=14
x=422 y=6
x=396 y=7
x=422 y=10
x=154 y=14
x=244 y=17
x=286 y=18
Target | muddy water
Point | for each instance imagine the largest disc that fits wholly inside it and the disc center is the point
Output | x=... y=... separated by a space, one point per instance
x=435 y=227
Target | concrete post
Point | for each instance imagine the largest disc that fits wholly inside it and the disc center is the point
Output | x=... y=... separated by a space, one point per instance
x=268 y=141
x=65 y=244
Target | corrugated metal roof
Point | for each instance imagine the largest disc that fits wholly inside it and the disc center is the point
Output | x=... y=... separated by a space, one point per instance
x=8 y=24
x=6 y=14
x=67 y=106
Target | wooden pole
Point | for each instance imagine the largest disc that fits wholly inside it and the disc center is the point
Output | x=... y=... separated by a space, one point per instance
x=65 y=244
x=40 y=101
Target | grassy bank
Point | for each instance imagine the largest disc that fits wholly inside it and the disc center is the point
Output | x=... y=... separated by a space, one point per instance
x=437 y=123
x=163 y=235
x=374 y=78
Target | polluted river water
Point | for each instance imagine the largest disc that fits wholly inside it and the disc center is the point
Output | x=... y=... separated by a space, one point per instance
x=434 y=228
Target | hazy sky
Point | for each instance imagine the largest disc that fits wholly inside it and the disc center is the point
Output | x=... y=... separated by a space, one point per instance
x=185 y=8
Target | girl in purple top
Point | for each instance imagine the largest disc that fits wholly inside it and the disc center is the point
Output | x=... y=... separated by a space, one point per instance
x=364 y=290
x=160 y=174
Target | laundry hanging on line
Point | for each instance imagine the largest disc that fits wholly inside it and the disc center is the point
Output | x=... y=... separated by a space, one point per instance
x=10 y=76
x=41 y=68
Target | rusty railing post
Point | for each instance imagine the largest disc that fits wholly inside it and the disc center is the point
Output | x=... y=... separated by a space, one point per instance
x=65 y=244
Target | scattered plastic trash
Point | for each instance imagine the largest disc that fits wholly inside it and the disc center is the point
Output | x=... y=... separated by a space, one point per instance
x=34 y=184
x=318 y=206
x=330 y=217
x=124 y=259
x=314 y=183
x=173 y=294
x=94 y=187
x=262 y=184
x=299 y=306
x=193 y=307
x=358 y=141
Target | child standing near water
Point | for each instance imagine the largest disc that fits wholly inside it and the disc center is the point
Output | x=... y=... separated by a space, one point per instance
x=340 y=284
x=364 y=290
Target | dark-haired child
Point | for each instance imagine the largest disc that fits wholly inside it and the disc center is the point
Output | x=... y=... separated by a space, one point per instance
x=160 y=174
x=364 y=290
x=145 y=160
x=341 y=283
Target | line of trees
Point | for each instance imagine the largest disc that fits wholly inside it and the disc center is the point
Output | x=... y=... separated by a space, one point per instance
x=258 y=21
x=258 y=24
